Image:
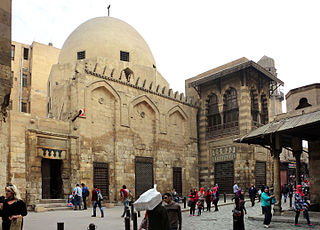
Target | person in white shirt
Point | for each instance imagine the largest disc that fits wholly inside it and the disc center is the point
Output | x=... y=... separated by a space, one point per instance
x=77 y=194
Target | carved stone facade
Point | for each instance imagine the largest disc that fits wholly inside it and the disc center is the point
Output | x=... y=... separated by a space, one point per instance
x=133 y=129
x=235 y=99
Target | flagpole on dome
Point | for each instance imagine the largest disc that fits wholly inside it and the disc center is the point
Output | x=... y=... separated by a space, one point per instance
x=109 y=10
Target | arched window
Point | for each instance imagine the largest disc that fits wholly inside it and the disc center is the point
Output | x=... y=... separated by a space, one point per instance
x=214 y=118
x=230 y=109
x=264 y=109
x=303 y=102
x=254 y=107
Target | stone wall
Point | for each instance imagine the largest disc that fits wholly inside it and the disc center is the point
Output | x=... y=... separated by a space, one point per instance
x=310 y=92
x=125 y=119
x=5 y=70
x=28 y=135
x=38 y=66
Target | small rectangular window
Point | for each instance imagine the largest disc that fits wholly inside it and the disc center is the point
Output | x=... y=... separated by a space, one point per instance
x=11 y=79
x=12 y=52
x=124 y=56
x=24 y=80
x=23 y=107
x=25 y=53
x=81 y=55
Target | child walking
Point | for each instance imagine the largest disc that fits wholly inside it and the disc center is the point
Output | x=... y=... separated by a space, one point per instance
x=199 y=207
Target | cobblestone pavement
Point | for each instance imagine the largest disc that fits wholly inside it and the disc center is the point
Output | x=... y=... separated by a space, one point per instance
x=112 y=221
x=223 y=220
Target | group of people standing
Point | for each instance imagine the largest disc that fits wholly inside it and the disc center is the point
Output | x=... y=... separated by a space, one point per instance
x=198 y=198
x=267 y=200
x=81 y=193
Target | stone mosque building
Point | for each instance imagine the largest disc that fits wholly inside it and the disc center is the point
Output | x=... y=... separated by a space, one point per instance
x=110 y=118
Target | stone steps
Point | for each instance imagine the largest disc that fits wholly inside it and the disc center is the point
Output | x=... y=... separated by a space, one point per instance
x=51 y=205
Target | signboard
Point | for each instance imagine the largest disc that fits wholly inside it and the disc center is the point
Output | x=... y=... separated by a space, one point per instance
x=226 y=153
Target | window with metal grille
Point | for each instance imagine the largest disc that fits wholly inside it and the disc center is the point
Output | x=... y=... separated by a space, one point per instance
x=214 y=118
x=101 y=178
x=81 y=55
x=254 y=107
x=124 y=56
x=177 y=180
x=24 y=80
x=230 y=109
x=143 y=175
x=12 y=52
x=25 y=53
x=264 y=109
x=23 y=107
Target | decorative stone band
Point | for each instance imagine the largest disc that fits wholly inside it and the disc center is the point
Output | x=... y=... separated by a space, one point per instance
x=172 y=96
x=52 y=153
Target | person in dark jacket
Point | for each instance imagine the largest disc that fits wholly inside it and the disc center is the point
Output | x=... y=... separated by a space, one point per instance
x=252 y=194
x=285 y=191
x=96 y=201
x=215 y=197
x=239 y=211
x=158 y=218
x=13 y=209
x=208 y=197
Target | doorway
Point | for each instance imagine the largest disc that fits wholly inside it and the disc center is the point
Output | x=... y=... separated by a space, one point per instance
x=51 y=179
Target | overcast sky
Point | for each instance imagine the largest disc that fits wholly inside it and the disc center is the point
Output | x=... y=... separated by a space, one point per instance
x=190 y=37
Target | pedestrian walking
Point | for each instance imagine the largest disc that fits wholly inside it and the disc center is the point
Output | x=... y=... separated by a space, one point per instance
x=174 y=212
x=266 y=206
x=285 y=191
x=12 y=209
x=208 y=198
x=215 y=198
x=239 y=211
x=96 y=200
x=77 y=194
x=252 y=194
x=125 y=195
x=300 y=206
x=193 y=197
x=85 y=194
x=290 y=193
x=199 y=207
x=201 y=194
x=259 y=194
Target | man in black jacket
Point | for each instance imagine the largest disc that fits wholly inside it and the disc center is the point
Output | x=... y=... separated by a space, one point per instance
x=252 y=194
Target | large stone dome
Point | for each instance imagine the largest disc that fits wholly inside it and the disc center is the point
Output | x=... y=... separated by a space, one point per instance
x=106 y=37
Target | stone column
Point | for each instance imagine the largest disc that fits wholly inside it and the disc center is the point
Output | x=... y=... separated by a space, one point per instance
x=277 y=182
x=297 y=151
x=276 y=150
x=314 y=172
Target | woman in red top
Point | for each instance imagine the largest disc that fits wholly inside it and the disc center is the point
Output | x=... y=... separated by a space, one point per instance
x=193 y=196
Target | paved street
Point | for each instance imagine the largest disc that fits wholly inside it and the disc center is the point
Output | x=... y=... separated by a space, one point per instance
x=223 y=220
x=81 y=219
